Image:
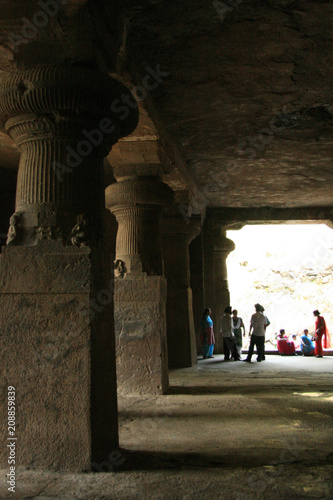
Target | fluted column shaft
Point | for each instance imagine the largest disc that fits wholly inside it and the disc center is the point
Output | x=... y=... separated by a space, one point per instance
x=61 y=120
x=138 y=225
x=137 y=205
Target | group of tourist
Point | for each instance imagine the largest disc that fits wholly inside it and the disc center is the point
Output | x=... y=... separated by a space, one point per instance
x=308 y=345
x=232 y=330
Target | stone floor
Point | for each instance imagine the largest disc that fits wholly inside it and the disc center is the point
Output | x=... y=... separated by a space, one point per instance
x=226 y=430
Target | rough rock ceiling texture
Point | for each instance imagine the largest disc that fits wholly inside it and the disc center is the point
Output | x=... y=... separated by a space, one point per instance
x=245 y=113
x=249 y=96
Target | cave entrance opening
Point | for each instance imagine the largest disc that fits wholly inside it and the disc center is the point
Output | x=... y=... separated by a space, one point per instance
x=288 y=269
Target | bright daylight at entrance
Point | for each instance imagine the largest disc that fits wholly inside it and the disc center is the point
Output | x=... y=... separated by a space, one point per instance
x=287 y=269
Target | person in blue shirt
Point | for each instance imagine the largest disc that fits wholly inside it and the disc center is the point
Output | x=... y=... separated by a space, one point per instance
x=307 y=346
x=207 y=334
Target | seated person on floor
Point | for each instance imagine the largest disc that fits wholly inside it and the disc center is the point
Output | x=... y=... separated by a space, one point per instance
x=282 y=335
x=294 y=338
x=307 y=346
x=285 y=347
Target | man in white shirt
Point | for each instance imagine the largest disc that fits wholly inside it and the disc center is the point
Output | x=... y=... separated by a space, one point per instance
x=258 y=325
x=262 y=309
x=229 y=342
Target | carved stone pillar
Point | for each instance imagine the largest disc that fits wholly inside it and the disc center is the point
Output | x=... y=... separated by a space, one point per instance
x=176 y=237
x=137 y=205
x=140 y=288
x=216 y=250
x=55 y=283
x=222 y=247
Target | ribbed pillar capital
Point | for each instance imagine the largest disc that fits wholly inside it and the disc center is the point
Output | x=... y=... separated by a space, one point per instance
x=63 y=122
x=137 y=205
x=223 y=246
x=140 y=191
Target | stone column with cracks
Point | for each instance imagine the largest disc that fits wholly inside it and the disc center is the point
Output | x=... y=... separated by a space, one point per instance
x=56 y=289
x=140 y=287
x=176 y=237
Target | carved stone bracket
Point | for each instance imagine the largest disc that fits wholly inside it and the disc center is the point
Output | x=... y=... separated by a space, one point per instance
x=80 y=232
x=15 y=229
x=47 y=233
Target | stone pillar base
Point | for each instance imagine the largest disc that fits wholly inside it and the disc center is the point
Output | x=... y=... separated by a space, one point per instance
x=140 y=323
x=58 y=353
x=181 y=332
